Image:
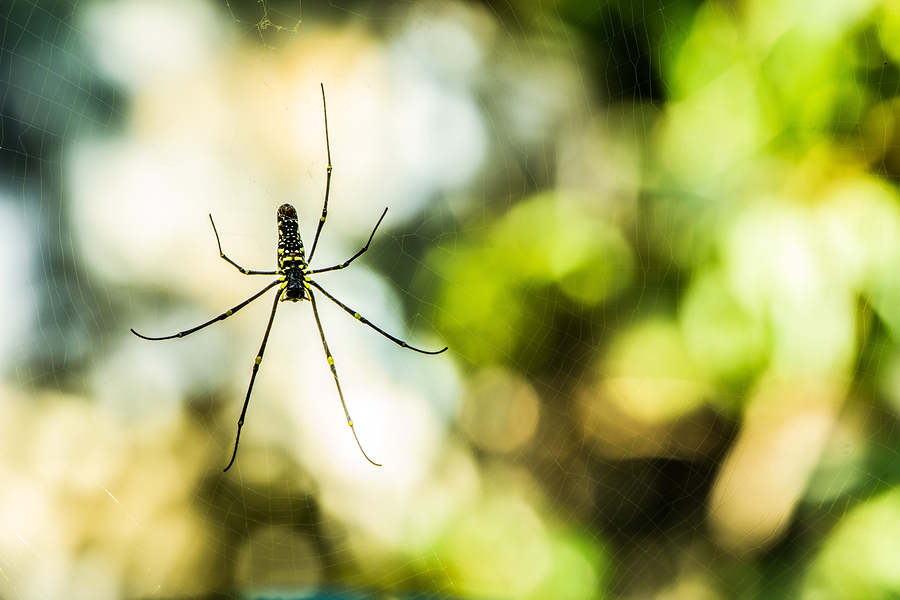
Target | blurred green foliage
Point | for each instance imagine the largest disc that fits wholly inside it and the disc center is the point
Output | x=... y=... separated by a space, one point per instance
x=499 y=291
x=769 y=194
x=858 y=561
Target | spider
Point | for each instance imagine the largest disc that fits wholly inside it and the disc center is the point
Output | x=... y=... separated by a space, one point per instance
x=295 y=284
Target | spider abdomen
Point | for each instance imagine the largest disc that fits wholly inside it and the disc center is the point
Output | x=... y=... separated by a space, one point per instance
x=290 y=247
x=291 y=255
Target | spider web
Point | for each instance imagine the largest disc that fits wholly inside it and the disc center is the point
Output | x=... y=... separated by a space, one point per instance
x=661 y=238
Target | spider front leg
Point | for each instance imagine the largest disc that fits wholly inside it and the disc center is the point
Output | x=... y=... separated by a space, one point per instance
x=256 y=363
x=259 y=355
x=231 y=262
x=337 y=381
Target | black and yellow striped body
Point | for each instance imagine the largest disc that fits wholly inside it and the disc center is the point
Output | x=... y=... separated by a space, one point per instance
x=291 y=255
x=295 y=284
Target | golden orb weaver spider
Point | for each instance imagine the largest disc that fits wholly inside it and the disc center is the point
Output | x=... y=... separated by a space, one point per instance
x=295 y=284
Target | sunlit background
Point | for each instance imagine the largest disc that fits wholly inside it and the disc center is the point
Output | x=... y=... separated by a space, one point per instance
x=660 y=238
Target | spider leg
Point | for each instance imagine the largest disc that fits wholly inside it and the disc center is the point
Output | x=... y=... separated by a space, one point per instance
x=221 y=317
x=364 y=320
x=337 y=382
x=327 y=179
x=346 y=263
x=236 y=266
x=256 y=363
